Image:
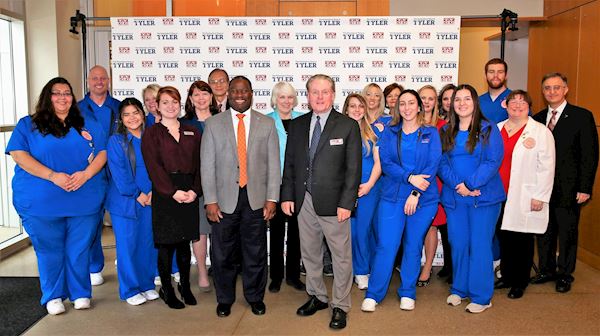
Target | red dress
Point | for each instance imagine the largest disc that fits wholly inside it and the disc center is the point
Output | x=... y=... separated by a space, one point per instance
x=509 y=145
x=440 y=216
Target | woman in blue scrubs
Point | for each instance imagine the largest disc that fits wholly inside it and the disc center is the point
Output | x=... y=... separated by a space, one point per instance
x=128 y=201
x=368 y=192
x=471 y=195
x=58 y=192
x=409 y=152
x=149 y=95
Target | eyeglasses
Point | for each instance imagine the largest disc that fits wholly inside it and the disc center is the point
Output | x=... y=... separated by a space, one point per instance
x=217 y=81
x=103 y=79
x=62 y=94
x=552 y=88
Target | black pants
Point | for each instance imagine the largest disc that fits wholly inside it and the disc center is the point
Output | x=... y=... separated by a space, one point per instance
x=165 y=263
x=241 y=233
x=276 y=242
x=517 y=257
x=564 y=224
x=446 y=247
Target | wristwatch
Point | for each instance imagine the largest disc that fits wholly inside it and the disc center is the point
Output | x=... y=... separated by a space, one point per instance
x=415 y=193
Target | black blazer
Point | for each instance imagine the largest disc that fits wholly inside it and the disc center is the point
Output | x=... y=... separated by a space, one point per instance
x=576 y=142
x=336 y=166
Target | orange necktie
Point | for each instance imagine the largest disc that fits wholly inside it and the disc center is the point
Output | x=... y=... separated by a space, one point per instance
x=241 y=148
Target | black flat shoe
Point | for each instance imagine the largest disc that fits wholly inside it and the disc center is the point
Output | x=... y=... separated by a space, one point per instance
x=296 y=284
x=186 y=295
x=258 y=308
x=515 y=293
x=275 y=286
x=338 y=319
x=424 y=283
x=170 y=299
x=223 y=309
x=541 y=278
x=312 y=306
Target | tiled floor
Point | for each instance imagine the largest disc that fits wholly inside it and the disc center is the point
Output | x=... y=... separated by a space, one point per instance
x=541 y=311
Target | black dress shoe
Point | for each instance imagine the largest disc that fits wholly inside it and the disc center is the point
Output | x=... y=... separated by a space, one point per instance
x=258 y=308
x=275 y=286
x=444 y=272
x=515 y=293
x=338 y=319
x=500 y=284
x=312 y=306
x=541 y=278
x=223 y=309
x=563 y=285
x=296 y=284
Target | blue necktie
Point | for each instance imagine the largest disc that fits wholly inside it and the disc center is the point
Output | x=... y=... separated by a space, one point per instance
x=314 y=143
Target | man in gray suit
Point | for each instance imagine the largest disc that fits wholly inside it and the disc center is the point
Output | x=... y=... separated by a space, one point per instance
x=241 y=180
x=320 y=182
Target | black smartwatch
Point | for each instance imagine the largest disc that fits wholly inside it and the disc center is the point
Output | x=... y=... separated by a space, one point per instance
x=415 y=193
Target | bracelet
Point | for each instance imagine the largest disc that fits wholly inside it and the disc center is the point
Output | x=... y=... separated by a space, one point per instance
x=50 y=176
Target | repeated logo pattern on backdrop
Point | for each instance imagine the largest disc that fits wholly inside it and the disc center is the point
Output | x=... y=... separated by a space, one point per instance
x=354 y=51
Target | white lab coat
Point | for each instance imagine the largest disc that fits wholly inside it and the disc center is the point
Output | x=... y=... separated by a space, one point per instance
x=531 y=177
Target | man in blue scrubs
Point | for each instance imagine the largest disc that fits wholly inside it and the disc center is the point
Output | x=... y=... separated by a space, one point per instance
x=493 y=102
x=99 y=106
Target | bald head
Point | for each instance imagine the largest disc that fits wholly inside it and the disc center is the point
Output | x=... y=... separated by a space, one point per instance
x=98 y=81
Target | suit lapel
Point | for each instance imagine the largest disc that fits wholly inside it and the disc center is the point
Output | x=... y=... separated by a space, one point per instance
x=304 y=135
x=329 y=126
x=254 y=124
x=229 y=131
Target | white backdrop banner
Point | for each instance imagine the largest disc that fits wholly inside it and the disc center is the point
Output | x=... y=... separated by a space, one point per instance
x=354 y=51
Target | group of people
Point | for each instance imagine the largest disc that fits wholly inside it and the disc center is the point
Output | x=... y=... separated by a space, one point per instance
x=375 y=181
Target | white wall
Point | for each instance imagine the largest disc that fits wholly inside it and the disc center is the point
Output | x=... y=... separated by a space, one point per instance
x=516 y=56
x=466 y=7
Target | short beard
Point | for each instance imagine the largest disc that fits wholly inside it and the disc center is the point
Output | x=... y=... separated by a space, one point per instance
x=491 y=86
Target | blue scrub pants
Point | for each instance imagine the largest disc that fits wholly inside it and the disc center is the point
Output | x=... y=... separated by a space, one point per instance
x=470 y=232
x=135 y=252
x=362 y=233
x=391 y=226
x=96 y=254
x=62 y=247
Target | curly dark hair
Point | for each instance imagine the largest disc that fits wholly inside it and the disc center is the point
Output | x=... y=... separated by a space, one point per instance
x=44 y=118
x=190 y=110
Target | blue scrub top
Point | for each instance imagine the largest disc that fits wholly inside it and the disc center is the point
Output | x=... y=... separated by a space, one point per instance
x=35 y=196
x=409 y=150
x=106 y=115
x=150 y=120
x=368 y=161
x=463 y=162
x=195 y=122
x=492 y=109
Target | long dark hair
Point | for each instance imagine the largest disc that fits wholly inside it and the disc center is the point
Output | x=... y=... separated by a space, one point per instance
x=130 y=101
x=395 y=112
x=448 y=134
x=44 y=118
x=190 y=110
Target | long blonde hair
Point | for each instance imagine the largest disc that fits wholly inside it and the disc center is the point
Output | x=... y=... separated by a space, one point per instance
x=434 y=112
x=366 y=132
x=379 y=111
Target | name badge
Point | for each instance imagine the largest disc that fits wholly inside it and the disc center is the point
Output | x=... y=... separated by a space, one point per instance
x=425 y=139
x=188 y=133
x=336 y=142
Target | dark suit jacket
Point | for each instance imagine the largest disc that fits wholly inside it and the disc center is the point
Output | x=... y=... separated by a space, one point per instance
x=576 y=141
x=336 y=167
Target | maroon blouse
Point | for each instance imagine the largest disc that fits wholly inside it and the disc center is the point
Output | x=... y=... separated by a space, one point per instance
x=163 y=155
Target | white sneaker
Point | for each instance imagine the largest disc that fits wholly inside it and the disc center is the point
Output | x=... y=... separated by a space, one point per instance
x=150 y=295
x=362 y=281
x=368 y=305
x=82 y=303
x=136 y=300
x=176 y=277
x=157 y=281
x=55 y=307
x=96 y=279
x=476 y=308
x=454 y=300
x=407 y=303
